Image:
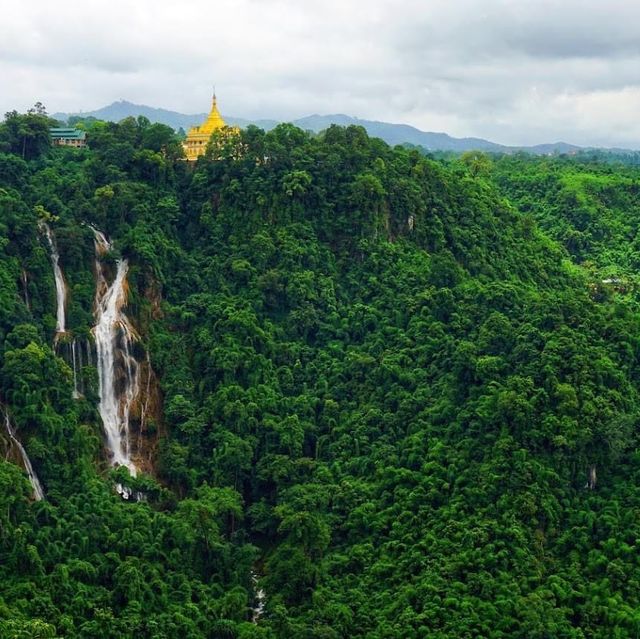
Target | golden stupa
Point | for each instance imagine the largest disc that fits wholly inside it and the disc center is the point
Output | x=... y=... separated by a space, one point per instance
x=198 y=136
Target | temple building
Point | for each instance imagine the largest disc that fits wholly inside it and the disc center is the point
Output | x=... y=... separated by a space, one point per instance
x=198 y=136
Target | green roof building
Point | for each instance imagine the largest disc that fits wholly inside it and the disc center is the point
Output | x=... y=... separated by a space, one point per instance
x=68 y=136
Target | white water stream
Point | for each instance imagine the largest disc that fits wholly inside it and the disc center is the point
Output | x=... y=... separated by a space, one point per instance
x=61 y=289
x=260 y=598
x=38 y=493
x=25 y=289
x=76 y=391
x=117 y=369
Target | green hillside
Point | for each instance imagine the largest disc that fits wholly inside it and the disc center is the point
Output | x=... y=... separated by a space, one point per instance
x=390 y=397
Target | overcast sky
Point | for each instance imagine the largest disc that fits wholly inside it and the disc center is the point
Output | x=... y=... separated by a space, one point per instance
x=513 y=71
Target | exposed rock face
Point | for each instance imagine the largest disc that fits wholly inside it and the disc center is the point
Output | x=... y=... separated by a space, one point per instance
x=146 y=419
x=130 y=402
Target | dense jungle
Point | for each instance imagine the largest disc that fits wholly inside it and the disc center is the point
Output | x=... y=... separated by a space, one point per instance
x=354 y=390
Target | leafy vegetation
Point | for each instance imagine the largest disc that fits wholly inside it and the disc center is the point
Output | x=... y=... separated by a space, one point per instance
x=395 y=390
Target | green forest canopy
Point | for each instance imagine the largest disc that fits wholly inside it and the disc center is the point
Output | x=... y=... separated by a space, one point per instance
x=387 y=385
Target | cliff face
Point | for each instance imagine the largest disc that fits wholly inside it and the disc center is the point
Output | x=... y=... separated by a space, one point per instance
x=146 y=420
x=111 y=368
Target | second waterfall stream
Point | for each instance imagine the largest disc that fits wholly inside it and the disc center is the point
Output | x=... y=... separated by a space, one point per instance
x=61 y=289
x=38 y=493
x=118 y=374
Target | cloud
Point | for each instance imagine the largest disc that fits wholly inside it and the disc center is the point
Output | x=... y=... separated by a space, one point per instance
x=515 y=71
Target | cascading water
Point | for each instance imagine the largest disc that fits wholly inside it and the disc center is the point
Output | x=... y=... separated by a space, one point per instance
x=76 y=392
x=38 y=493
x=260 y=598
x=61 y=289
x=25 y=289
x=117 y=368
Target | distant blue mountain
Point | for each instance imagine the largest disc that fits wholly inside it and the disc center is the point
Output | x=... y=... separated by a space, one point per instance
x=122 y=109
x=390 y=133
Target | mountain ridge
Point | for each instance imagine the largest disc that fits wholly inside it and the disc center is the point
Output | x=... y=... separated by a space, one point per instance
x=392 y=133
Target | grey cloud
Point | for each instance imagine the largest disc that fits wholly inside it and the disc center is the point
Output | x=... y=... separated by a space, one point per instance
x=541 y=28
x=517 y=71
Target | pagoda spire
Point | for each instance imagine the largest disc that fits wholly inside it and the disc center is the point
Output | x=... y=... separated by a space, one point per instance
x=198 y=136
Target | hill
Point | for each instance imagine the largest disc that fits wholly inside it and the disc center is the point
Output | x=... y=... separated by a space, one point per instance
x=121 y=109
x=353 y=391
x=391 y=133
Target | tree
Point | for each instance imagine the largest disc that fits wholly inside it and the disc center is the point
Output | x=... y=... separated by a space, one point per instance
x=26 y=135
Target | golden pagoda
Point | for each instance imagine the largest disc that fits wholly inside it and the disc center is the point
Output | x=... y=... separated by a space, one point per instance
x=198 y=136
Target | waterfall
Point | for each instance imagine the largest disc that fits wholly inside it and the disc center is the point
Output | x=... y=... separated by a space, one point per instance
x=80 y=378
x=38 y=493
x=61 y=289
x=25 y=289
x=117 y=369
x=591 y=477
x=76 y=392
x=260 y=598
